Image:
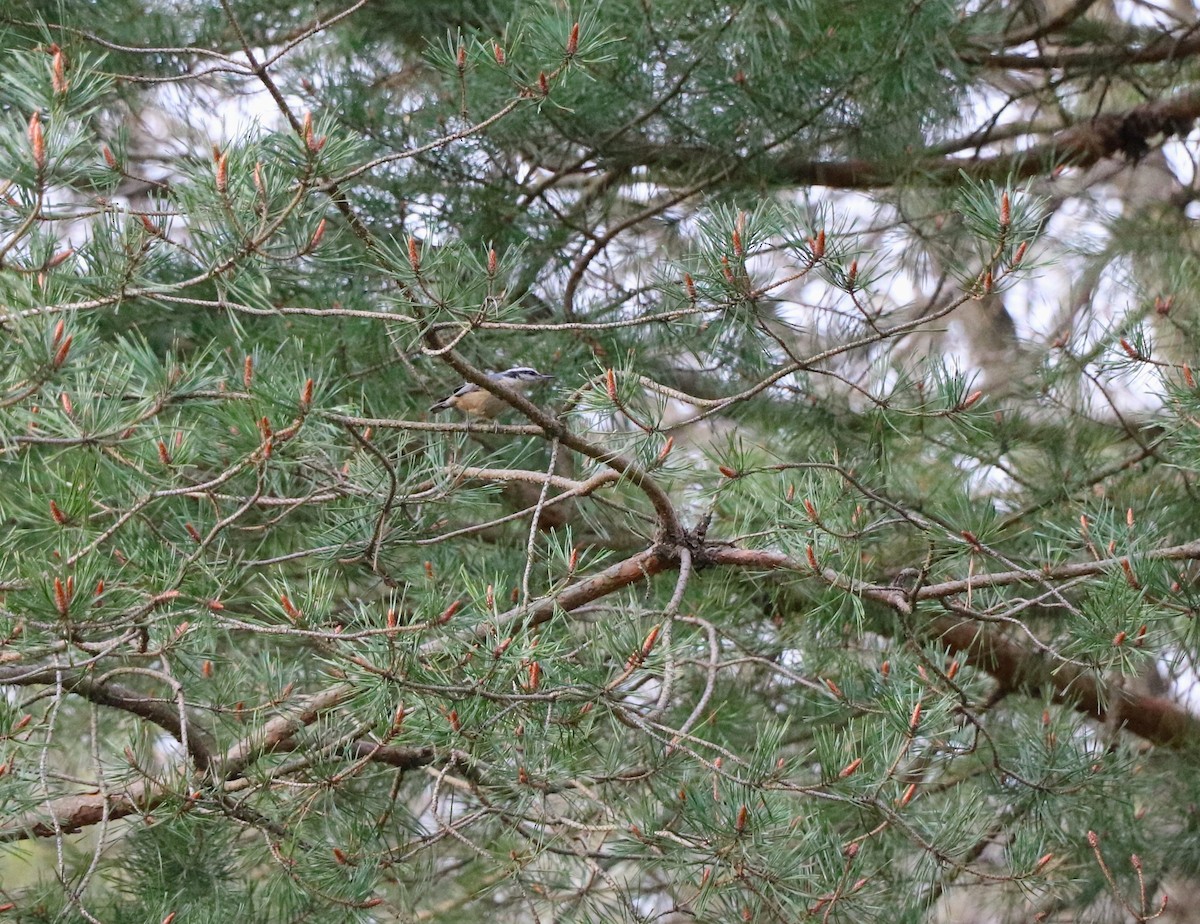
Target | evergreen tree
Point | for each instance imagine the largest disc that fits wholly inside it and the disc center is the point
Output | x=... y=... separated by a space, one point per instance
x=844 y=571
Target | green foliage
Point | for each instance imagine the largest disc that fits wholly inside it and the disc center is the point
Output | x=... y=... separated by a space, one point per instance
x=835 y=576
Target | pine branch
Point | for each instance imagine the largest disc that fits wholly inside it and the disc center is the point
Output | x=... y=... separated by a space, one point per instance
x=1127 y=134
x=167 y=715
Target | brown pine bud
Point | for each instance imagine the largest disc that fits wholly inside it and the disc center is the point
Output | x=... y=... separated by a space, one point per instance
x=60 y=357
x=59 y=258
x=58 y=72
x=317 y=235
x=1130 y=577
x=37 y=141
x=62 y=600
x=290 y=608
x=651 y=638
x=448 y=613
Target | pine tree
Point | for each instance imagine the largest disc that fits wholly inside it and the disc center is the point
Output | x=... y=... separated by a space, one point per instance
x=844 y=571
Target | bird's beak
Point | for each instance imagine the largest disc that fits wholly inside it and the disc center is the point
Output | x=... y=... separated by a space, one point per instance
x=546 y=378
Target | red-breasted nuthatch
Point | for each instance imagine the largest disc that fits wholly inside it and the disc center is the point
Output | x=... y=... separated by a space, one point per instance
x=479 y=402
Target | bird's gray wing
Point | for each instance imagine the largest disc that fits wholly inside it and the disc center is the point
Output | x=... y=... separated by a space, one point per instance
x=463 y=389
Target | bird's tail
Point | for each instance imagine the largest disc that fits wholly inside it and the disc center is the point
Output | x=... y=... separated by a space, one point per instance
x=439 y=407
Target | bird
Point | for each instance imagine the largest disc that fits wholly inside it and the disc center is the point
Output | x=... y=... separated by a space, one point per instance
x=479 y=402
